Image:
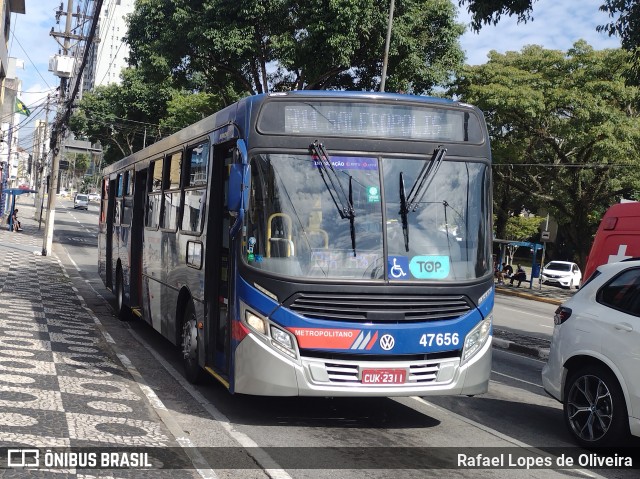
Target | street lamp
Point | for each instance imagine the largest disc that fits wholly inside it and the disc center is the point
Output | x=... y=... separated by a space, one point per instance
x=386 y=47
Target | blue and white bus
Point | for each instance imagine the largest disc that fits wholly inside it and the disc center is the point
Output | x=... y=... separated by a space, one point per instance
x=312 y=243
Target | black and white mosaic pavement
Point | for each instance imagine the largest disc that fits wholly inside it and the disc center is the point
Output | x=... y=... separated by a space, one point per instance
x=61 y=384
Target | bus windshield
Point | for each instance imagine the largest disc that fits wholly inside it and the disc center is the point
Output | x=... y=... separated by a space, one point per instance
x=294 y=225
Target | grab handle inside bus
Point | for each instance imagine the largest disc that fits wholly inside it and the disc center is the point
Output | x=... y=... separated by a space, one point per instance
x=280 y=236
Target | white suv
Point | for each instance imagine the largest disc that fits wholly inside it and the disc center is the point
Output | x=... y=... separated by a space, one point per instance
x=594 y=361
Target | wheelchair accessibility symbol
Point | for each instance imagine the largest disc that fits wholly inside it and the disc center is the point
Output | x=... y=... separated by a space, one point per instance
x=398 y=267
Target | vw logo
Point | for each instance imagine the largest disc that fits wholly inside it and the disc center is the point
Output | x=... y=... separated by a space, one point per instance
x=387 y=342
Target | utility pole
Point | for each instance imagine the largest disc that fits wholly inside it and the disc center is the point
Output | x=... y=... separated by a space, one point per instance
x=55 y=163
x=64 y=110
x=386 y=47
x=42 y=164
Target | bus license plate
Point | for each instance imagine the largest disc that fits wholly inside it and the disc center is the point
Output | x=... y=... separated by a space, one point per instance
x=384 y=376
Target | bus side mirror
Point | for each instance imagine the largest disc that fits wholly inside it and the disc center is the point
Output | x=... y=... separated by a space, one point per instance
x=238 y=187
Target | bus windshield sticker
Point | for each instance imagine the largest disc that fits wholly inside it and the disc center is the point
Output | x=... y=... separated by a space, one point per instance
x=398 y=267
x=430 y=267
x=373 y=194
x=350 y=163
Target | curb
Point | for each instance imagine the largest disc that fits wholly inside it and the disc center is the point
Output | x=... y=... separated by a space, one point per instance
x=522 y=294
x=540 y=353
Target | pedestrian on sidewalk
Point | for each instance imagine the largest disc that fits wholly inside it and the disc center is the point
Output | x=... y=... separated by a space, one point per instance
x=14 y=221
x=507 y=270
x=519 y=276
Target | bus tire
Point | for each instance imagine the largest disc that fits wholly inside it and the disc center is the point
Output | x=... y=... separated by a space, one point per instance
x=190 y=345
x=122 y=310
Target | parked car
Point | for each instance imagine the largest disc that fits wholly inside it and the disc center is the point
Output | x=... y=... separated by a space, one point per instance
x=94 y=197
x=593 y=366
x=81 y=201
x=563 y=273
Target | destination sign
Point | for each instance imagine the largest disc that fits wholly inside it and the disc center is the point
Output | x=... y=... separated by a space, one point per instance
x=379 y=120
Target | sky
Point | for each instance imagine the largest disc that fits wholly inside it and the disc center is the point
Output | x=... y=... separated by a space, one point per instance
x=556 y=25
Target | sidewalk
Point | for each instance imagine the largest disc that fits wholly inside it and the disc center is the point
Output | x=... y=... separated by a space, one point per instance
x=62 y=382
x=545 y=293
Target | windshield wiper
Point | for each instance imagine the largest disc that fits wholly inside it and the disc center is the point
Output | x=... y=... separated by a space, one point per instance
x=428 y=172
x=418 y=190
x=343 y=203
x=403 y=213
x=332 y=181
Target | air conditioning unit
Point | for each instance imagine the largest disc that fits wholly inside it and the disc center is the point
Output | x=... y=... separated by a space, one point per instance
x=61 y=65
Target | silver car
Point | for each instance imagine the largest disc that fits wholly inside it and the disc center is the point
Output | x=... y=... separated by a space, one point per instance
x=81 y=201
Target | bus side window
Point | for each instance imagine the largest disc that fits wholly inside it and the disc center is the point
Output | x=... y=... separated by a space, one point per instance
x=173 y=166
x=154 y=197
x=127 y=208
x=118 y=209
x=105 y=200
x=196 y=168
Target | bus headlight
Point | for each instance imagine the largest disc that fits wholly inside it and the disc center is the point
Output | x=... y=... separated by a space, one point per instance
x=256 y=323
x=476 y=338
x=283 y=342
x=280 y=336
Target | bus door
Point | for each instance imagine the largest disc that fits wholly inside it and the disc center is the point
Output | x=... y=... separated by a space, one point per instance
x=111 y=205
x=137 y=228
x=217 y=264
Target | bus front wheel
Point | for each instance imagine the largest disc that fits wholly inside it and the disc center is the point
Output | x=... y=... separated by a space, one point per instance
x=190 y=345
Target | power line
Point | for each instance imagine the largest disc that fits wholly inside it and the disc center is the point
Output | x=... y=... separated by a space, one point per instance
x=14 y=37
x=572 y=165
x=51 y=90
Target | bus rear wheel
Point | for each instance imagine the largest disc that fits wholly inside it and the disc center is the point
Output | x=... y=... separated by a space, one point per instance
x=190 y=346
x=122 y=310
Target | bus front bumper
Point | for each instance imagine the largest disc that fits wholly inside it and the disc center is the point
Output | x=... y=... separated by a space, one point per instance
x=261 y=370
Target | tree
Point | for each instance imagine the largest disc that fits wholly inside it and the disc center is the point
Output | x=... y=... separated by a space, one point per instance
x=185 y=108
x=564 y=128
x=522 y=228
x=123 y=117
x=256 y=46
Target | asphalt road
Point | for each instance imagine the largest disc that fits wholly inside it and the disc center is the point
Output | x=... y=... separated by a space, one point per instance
x=515 y=413
x=524 y=316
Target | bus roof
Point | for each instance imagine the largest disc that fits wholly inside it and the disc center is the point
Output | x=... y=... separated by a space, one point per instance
x=362 y=94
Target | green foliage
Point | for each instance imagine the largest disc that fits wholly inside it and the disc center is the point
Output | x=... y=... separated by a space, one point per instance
x=565 y=132
x=256 y=46
x=489 y=12
x=81 y=163
x=122 y=117
x=185 y=108
x=522 y=228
